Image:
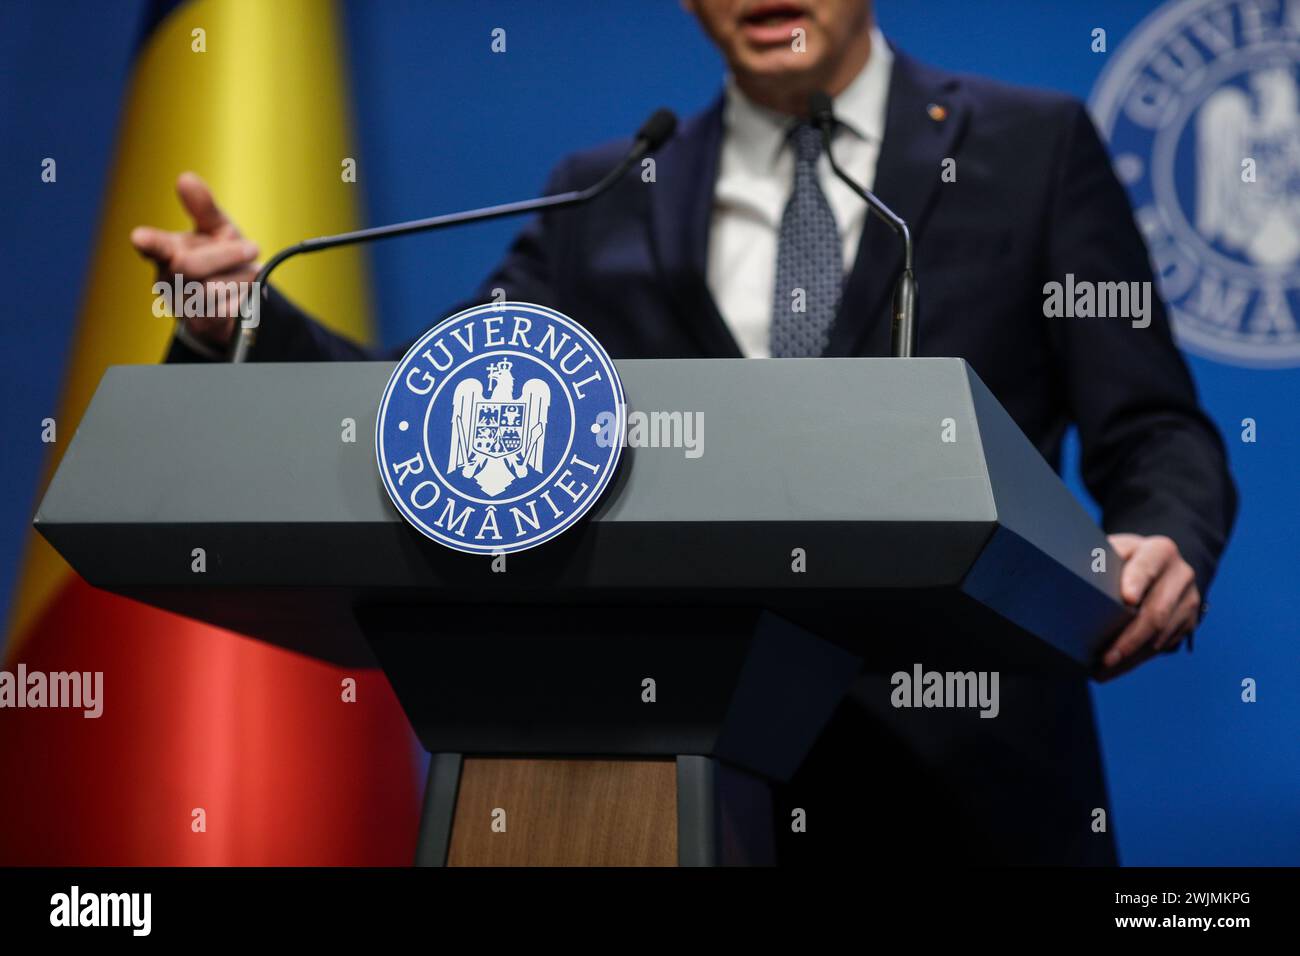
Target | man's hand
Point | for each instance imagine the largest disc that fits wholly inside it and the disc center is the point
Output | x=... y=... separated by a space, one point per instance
x=215 y=252
x=1162 y=586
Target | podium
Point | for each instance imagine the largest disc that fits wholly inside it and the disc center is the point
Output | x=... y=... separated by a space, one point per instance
x=626 y=693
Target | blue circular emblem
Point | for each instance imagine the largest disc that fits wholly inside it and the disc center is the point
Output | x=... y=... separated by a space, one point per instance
x=500 y=428
x=1201 y=105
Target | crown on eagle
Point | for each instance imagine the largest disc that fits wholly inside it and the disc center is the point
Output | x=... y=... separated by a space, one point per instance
x=496 y=368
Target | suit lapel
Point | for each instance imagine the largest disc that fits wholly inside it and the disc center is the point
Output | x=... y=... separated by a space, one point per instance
x=917 y=140
x=681 y=207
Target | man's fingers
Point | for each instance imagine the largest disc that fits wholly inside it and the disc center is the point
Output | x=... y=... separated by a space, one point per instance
x=1125 y=544
x=1139 y=631
x=1145 y=565
x=199 y=262
x=157 y=244
x=193 y=256
x=1127 y=664
x=1156 y=616
x=1181 y=620
x=1166 y=594
x=1163 y=587
x=197 y=199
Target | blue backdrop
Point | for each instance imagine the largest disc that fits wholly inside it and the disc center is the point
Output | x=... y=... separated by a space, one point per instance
x=1196 y=775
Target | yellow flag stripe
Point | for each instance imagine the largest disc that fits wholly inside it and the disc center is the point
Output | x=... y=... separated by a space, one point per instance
x=261 y=114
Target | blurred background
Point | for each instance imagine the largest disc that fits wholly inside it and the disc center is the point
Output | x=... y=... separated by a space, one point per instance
x=116 y=95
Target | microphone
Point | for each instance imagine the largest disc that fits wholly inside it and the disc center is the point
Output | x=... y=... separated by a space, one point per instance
x=652 y=134
x=902 y=337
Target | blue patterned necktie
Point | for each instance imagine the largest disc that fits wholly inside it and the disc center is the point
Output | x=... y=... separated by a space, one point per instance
x=809 y=259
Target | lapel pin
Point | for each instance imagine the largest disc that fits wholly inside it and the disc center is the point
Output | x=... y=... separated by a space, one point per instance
x=937 y=113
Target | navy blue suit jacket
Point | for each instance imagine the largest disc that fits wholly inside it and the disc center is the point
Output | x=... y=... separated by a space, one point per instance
x=1035 y=199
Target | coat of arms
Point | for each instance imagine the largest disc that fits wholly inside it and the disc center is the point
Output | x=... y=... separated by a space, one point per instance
x=498 y=437
x=1201 y=109
x=1260 y=218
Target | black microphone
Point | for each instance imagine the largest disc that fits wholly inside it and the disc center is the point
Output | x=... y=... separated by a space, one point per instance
x=652 y=134
x=902 y=338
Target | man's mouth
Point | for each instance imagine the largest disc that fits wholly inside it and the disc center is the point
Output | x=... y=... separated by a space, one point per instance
x=773 y=22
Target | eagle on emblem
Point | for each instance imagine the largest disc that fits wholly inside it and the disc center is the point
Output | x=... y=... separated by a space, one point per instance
x=1262 y=218
x=498 y=437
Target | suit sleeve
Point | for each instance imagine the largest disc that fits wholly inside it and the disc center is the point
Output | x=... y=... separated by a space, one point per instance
x=285 y=333
x=1150 y=456
x=288 y=334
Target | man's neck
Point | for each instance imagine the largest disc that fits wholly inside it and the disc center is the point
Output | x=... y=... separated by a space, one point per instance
x=782 y=96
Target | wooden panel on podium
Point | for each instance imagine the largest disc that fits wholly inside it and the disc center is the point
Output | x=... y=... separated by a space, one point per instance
x=560 y=812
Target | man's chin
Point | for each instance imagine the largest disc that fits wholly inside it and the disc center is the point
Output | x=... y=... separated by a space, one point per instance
x=772 y=64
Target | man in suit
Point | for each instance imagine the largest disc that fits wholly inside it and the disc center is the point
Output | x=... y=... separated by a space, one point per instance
x=743 y=220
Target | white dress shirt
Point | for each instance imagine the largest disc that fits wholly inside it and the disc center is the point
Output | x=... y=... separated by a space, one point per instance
x=755 y=176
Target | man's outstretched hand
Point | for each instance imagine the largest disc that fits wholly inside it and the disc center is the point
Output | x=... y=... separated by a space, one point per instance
x=214 y=252
x=1162 y=586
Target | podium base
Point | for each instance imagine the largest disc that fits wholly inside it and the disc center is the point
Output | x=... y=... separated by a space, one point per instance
x=561 y=811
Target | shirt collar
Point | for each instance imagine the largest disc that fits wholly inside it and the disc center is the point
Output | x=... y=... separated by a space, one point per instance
x=860 y=108
x=759 y=133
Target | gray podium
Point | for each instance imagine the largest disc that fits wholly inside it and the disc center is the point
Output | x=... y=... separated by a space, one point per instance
x=625 y=693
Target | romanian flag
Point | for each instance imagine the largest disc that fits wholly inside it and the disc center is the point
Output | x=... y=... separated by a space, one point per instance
x=249 y=94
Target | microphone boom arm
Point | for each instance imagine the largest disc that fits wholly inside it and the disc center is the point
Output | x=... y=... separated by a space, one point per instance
x=245 y=335
x=902 y=333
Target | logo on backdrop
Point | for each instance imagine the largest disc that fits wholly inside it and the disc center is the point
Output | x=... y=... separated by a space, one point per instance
x=1201 y=106
x=493 y=433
